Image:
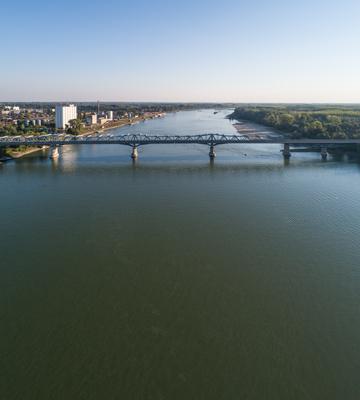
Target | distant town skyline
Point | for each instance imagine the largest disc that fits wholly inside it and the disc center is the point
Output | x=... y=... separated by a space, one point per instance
x=203 y=51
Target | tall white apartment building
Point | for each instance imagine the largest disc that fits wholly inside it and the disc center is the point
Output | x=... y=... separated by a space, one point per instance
x=64 y=114
x=110 y=115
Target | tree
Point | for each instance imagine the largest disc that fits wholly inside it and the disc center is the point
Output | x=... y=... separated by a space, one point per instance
x=271 y=119
x=316 y=128
x=75 y=126
x=286 y=122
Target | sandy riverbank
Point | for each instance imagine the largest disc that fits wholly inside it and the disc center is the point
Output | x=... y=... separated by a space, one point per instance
x=12 y=154
x=251 y=130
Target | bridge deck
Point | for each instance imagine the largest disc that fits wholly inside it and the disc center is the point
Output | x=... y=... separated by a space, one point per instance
x=140 y=140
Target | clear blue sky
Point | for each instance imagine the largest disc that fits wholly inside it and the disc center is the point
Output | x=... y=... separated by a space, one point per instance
x=230 y=50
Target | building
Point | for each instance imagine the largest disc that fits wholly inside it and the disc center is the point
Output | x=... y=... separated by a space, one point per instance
x=64 y=114
x=110 y=115
x=102 y=121
x=91 y=119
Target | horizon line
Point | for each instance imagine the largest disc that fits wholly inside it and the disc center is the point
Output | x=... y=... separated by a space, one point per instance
x=182 y=102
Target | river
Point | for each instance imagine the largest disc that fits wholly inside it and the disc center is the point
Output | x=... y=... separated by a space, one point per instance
x=173 y=278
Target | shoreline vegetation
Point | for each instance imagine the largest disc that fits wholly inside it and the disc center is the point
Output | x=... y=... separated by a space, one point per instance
x=304 y=121
x=9 y=153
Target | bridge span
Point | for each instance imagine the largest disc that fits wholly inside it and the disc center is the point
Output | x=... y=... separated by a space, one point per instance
x=54 y=141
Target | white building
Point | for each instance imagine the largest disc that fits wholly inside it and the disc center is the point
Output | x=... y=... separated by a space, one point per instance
x=110 y=115
x=91 y=119
x=102 y=120
x=64 y=114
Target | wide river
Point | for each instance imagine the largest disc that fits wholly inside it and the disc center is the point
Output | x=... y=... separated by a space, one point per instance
x=174 y=278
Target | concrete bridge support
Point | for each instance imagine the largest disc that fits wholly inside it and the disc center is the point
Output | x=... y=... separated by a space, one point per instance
x=286 y=151
x=324 y=153
x=134 y=153
x=212 y=153
x=54 y=152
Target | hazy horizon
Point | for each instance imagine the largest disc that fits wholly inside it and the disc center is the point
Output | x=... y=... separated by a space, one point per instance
x=176 y=102
x=203 y=52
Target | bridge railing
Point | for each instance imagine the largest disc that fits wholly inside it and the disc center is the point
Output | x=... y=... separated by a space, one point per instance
x=125 y=139
x=141 y=139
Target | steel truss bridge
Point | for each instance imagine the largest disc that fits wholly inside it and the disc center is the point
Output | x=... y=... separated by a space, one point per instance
x=134 y=141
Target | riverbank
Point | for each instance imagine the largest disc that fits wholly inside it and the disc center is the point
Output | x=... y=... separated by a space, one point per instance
x=251 y=130
x=14 y=154
x=305 y=121
x=123 y=122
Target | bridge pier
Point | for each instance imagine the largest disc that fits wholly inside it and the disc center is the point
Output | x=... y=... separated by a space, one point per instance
x=286 y=151
x=212 y=153
x=134 y=153
x=54 y=152
x=324 y=153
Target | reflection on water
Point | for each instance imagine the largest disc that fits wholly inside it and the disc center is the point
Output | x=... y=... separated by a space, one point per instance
x=177 y=278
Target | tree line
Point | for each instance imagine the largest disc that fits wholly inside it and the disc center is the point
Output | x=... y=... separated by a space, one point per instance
x=14 y=130
x=299 y=122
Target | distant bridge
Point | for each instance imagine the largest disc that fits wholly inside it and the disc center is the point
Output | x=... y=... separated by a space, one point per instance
x=134 y=141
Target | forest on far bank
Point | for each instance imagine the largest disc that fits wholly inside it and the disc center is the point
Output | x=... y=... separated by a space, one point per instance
x=302 y=121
